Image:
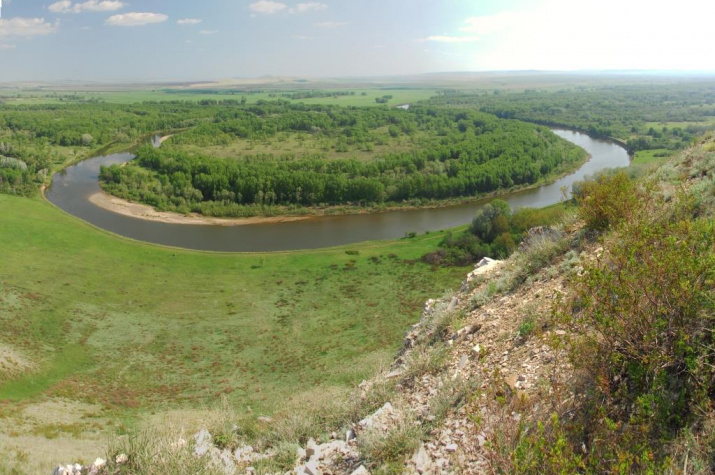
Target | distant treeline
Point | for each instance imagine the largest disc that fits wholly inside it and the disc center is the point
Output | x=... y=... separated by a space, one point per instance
x=296 y=96
x=468 y=153
x=291 y=95
x=620 y=112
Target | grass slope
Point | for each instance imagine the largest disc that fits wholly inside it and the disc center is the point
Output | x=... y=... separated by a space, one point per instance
x=138 y=328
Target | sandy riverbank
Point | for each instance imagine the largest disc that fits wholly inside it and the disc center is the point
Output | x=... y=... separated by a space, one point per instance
x=140 y=211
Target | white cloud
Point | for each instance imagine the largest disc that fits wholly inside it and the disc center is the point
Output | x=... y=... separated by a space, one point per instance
x=188 y=21
x=267 y=7
x=307 y=7
x=66 y=6
x=568 y=35
x=480 y=26
x=208 y=32
x=451 y=39
x=26 y=27
x=330 y=24
x=136 y=19
x=488 y=24
x=5 y=47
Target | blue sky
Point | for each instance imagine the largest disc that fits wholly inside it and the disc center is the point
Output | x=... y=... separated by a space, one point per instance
x=212 y=39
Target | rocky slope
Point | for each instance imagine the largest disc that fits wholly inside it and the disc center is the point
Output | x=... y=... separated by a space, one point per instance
x=475 y=347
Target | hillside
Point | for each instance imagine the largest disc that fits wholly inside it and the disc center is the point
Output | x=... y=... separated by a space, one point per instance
x=588 y=350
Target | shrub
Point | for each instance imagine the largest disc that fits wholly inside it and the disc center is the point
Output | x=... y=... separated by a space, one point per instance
x=607 y=200
x=385 y=452
x=645 y=310
x=491 y=220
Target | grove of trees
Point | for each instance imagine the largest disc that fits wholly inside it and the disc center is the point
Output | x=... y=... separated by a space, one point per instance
x=620 y=112
x=466 y=153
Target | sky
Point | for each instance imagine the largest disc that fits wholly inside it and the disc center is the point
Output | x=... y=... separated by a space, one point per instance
x=193 y=40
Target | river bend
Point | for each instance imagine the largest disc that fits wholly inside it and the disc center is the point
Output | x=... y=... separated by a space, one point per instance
x=72 y=188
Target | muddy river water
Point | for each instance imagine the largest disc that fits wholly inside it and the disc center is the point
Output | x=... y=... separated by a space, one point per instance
x=72 y=188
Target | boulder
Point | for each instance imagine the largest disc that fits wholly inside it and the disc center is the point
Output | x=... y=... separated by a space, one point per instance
x=421 y=460
x=203 y=443
x=311 y=468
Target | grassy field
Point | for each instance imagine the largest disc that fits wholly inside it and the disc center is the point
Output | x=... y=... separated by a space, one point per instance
x=400 y=96
x=132 y=96
x=710 y=124
x=652 y=157
x=301 y=144
x=129 y=329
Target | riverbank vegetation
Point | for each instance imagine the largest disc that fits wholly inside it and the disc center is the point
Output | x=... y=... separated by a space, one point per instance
x=450 y=154
x=645 y=117
x=40 y=140
x=495 y=232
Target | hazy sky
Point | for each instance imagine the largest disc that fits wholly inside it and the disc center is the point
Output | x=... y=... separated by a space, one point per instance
x=211 y=39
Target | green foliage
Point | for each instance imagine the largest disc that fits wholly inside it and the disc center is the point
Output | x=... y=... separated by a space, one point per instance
x=385 y=452
x=620 y=112
x=494 y=232
x=546 y=450
x=607 y=201
x=645 y=309
x=651 y=304
x=491 y=220
x=527 y=327
x=490 y=154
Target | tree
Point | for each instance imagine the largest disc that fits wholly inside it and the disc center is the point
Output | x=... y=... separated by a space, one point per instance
x=491 y=220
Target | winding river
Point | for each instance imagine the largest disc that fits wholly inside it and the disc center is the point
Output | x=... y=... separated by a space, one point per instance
x=72 y=188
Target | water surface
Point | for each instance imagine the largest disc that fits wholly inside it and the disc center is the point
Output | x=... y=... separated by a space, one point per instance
x=72 y=188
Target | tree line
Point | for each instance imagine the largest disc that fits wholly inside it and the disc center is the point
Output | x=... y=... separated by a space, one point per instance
x=469 y=153
x=620 y=112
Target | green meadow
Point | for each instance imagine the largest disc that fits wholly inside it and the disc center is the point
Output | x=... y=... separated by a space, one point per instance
x=137 y=327
x=650 y=157
x=362 y=96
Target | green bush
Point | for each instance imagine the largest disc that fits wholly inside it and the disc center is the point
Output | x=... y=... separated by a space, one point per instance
x=607 y=200
x=494 y=232
x=645 y=310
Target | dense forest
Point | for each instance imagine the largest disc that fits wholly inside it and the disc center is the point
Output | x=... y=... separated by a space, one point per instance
x=452 y=146
x=37 y=140
x=628 y=113
x=468 y=153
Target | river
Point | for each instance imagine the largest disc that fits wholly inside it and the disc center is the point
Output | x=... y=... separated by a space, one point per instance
x=72 y=188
